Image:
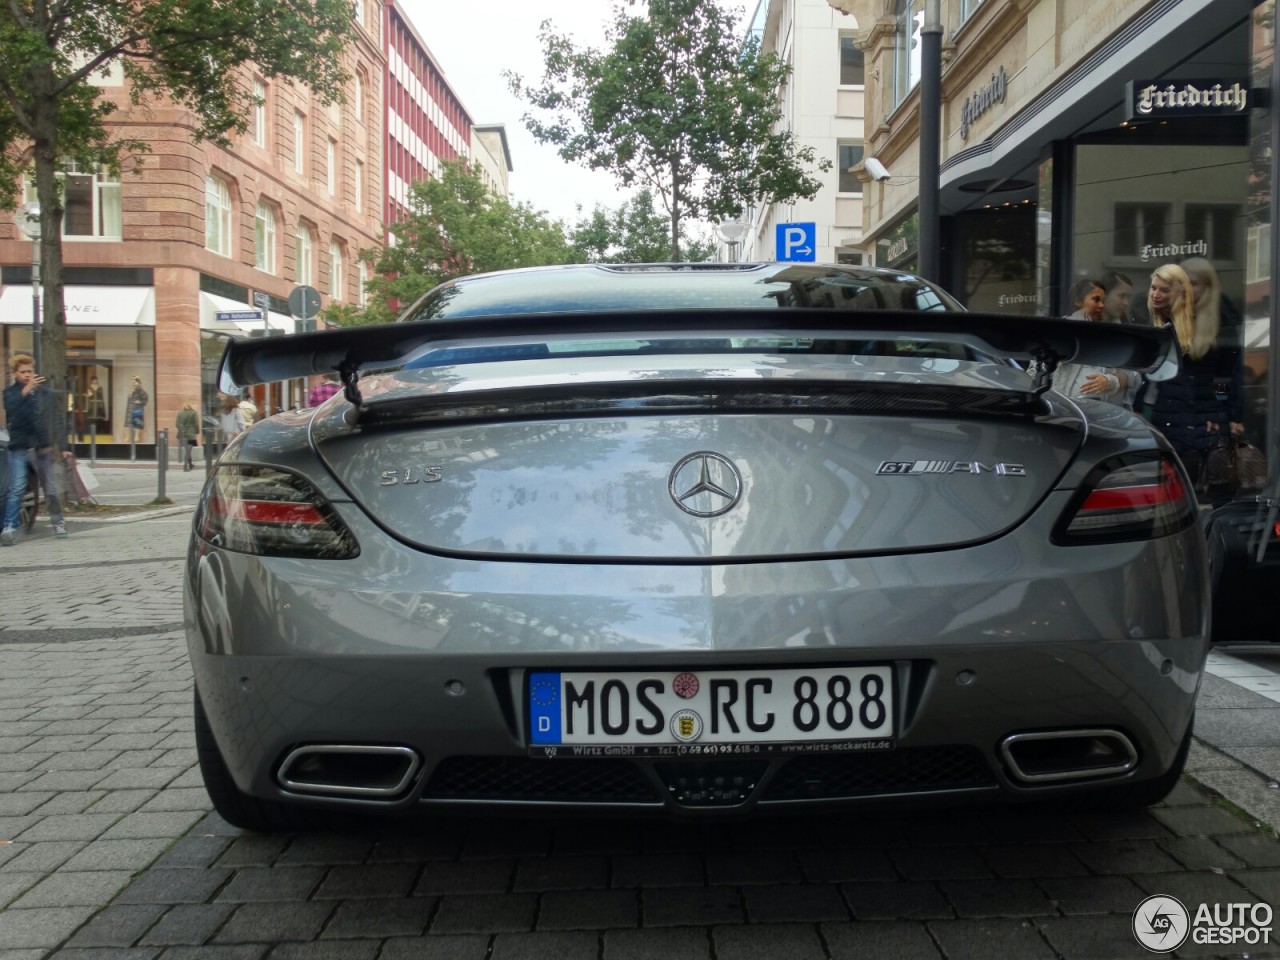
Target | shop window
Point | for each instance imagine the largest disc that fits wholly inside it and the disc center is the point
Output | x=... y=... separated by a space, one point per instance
x=852 y=257
x=1216 y=224
x=91 y=203
x=908 y=22
x=217 y=216
x=852 y=72
x=264 y=238
x=304 y=255
x=1139 y=225
x=849 y=159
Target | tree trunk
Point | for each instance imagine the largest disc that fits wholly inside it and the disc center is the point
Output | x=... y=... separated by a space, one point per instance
x=675 y=211
x=53 y=330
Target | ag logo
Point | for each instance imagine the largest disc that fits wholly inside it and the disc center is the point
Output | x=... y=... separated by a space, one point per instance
x=1161 y=923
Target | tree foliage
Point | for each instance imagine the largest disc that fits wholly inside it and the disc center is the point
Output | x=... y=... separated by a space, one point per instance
x=636 y=232
x=677 y=103
x=455 y=227
x=185 y=51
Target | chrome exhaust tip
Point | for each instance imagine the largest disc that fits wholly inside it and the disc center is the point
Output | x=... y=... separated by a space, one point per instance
x=349 y=770
x=1054 y=756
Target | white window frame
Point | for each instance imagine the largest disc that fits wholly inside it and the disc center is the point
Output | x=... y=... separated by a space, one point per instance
x=105 y=217
x=331 y=166
x=336 y=278
x=260 y=113
x=299 y=142
x=358 y=11
x=218 y=210
x=906 y=59
x=305 y=256
x=264 y=237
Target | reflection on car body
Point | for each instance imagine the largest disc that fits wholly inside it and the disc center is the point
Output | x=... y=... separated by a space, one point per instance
x=693 y=541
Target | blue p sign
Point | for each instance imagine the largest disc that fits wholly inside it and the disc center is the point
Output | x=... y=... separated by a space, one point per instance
x=797 y=242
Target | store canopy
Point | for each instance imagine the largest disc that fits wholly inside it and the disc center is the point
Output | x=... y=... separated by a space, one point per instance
x=224 y=315
x=87 y=306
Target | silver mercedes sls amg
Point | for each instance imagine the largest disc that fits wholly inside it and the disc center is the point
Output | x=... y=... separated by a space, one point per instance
x=699 y=540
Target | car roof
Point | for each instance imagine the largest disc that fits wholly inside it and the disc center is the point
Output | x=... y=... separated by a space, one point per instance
x=580 y=288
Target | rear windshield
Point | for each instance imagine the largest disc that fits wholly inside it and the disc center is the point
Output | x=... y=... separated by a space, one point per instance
x=691 y=286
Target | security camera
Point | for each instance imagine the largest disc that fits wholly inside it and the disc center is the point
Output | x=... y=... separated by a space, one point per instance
x=878 y=171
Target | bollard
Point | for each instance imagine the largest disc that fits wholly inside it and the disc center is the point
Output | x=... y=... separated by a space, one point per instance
x=162 y=461
x=93 y=443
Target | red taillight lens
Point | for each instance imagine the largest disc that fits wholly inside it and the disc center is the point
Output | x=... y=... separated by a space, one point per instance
x=1131 y=501
x=273 y=513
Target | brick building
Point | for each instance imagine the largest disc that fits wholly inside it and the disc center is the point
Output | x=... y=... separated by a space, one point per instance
x=201 y=243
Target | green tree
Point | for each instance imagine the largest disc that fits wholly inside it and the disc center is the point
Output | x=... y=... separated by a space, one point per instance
x=678 y=103
x=185 y=51
x=455 y=227
x=635 y=232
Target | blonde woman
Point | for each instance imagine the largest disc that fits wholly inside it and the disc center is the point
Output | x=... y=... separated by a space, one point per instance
x=1202 y=404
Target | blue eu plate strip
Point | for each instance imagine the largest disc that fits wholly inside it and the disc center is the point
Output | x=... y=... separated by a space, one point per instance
x=544 y=708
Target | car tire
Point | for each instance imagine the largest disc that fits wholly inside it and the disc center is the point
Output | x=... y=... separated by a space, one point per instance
x=233 y=804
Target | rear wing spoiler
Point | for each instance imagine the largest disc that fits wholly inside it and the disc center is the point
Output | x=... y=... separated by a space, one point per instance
x=1047 y=342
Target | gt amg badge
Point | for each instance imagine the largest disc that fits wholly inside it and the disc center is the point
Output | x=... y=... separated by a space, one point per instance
x=705 y=484
x=916 y=468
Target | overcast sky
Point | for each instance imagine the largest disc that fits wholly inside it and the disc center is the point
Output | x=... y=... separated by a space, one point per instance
x=475 y=41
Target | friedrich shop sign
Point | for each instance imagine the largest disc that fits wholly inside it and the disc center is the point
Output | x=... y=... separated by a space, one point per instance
x=1146 y=100
x=982 y=100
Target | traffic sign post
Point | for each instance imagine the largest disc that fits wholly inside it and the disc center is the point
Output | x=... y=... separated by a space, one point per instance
x=304 y=304
x=796 y=242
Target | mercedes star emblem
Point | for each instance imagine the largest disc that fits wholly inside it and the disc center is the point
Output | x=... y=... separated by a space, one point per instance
x=705 y=484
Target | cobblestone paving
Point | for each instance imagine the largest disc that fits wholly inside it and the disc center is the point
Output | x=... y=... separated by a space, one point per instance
x=108 y=848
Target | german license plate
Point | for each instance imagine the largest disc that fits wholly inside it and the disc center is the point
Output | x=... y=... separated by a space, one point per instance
x=807 y=710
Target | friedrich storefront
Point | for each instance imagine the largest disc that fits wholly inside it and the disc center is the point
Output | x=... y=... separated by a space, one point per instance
x=1143 y=153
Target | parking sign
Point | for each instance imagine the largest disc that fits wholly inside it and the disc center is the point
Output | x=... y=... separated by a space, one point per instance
x=797 y=242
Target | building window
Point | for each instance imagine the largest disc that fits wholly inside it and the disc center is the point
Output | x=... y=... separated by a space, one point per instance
x=358 y=11
x=335 y=270
x=362 y=277
x=852 y=73
x=304 y=256
x=299 y=142
x=849 y=158
x=217 y=216
x=1258 y=267
x=359 y=187
x=968 y=8
x=264 y=238
x=1215 y=224
x=260 y=113
x=331 y=166
x=1139 y=225
x=908 y=22
x=357 y=99
x=853 y=257
x=91 y=203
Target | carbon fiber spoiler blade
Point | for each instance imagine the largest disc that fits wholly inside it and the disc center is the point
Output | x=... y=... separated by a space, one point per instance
x=349 y=350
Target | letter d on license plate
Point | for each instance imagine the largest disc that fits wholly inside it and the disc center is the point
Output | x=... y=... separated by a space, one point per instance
x=714 y=711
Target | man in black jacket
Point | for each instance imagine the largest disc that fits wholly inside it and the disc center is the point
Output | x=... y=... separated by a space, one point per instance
x=24 y=410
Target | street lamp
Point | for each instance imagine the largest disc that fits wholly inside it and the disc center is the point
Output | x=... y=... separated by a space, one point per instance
x=27 y=218
x=731 y=231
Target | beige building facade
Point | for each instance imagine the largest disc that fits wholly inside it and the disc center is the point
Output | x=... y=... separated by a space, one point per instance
x=1060 y=159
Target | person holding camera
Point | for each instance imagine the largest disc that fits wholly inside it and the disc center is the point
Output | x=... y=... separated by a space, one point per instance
x=24 y=409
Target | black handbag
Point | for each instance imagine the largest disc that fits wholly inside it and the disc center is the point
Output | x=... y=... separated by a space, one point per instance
x=1235 y=464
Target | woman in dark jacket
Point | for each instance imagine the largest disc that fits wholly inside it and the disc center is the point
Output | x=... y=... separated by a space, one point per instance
x=1201 y=406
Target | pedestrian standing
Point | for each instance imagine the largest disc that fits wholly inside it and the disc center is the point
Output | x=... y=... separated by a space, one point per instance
x=188 y=425
x=25 y=405
x=232 y=420
x=323 y=391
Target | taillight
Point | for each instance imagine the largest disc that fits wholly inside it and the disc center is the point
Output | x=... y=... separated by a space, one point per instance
x=1135 y=500
x=271 y=513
